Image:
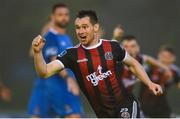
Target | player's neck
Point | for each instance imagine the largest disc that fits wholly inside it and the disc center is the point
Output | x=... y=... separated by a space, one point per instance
x=93 y=44
x=59 y=30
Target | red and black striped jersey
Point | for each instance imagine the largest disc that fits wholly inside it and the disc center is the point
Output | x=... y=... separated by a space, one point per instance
x=96 y=73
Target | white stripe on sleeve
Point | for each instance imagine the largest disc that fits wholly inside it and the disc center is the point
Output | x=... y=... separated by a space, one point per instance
x=61 y=64
x=126 y=56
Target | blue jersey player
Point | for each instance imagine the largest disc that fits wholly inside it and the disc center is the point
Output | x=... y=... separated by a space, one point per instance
x=58 y=95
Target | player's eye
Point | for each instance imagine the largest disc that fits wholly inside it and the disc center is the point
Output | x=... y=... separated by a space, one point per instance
x=84 y=27
x=125 y=46
x=66 y=14
x=60 y=14
x=77 y=27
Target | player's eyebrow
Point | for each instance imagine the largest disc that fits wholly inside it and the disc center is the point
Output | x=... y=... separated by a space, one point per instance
x=84 y=25
x=81 y=25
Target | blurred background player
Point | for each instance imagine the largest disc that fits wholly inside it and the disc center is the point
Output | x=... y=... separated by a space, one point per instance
x=167 y=56
x=158 y=106
x=118 y=32
x=56 y=96
x=130 y=44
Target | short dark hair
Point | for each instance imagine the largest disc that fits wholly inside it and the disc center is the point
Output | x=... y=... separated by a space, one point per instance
x=129 y=38
x=88 y=13
x=58 y=5
x=167 y=48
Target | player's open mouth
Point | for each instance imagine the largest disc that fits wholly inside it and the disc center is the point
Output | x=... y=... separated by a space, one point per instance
x=83 y=38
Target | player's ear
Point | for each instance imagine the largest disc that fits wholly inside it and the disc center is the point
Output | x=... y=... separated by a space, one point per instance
x=174 y=58
x=139 y=48
x=96 y=28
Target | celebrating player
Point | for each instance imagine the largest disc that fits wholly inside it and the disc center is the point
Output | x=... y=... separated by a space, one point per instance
x=94 y=63
x=130 y=44
x=56 y=95
x=153 y=106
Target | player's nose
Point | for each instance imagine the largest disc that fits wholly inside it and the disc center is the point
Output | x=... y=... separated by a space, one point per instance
x=81 y=31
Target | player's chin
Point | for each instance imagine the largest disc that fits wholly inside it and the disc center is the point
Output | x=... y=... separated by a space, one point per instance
x=84 y=42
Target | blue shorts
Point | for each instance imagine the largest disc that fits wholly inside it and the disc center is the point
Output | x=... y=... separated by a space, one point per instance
x=52 y=103
x=38 y=103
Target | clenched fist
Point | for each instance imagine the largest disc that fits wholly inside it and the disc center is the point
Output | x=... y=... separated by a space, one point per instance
x=156 y=89
x=6 y=94
x=38 y=44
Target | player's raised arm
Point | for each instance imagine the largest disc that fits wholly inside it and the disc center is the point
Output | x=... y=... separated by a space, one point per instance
x=150 y=60
x=44 y=70
x=139 y=71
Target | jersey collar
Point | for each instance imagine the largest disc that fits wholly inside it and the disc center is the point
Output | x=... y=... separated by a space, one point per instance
x=94 y=46
x=52 y=30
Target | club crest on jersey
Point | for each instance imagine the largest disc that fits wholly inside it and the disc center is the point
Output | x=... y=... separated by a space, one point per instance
x=108 y=56
x=68 y=108
x=97 y=76
x=124 y=113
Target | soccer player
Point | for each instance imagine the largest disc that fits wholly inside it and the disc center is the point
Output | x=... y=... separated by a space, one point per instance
x=94 y=62
x=158 y=107
x=131 y=45
x=59 y=94
x=118 y=32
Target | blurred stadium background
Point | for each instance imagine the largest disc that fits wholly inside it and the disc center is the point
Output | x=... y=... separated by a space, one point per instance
x=154 y=22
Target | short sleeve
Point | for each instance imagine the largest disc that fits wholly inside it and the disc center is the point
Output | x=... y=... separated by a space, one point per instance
x=120 y=52
x=64 y=57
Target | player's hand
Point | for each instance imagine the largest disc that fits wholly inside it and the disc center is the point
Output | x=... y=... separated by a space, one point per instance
x=72 y=86
x=38 y=43
x=6 y=94
x=156 y=89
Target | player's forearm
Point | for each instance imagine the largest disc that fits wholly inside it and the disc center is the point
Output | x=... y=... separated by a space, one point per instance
x=140 y=73
x=64 y=74
x=40 y=64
